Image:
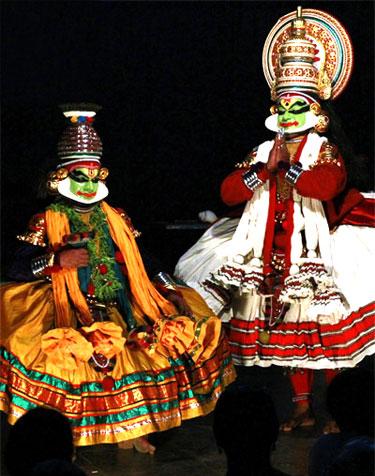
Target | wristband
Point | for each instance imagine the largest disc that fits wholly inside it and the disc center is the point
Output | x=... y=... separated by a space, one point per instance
x=293 y=174
x=41 y=263
x=251 y=180
x=165 y=280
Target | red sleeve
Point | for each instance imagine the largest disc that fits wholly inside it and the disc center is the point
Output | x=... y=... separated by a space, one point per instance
x=323 y=182
x=233 y=189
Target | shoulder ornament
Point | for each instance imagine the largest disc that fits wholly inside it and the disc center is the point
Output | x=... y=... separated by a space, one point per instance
x=329 y=154
x=248 y=161
x=36 y=233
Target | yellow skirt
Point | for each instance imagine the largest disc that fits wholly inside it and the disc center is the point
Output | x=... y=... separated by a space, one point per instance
x=154 y=388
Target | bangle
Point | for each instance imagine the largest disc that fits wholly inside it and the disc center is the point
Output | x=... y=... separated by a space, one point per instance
x=293 y=174
x=165 y=280
x=41 y=263
x=251 y=180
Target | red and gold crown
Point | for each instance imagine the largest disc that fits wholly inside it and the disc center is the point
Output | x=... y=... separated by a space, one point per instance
x=308 y=52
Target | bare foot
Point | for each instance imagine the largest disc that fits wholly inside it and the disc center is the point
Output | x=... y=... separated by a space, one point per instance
x=301 y=417
x=331 y=427
x=143 y=446
x=139 y=444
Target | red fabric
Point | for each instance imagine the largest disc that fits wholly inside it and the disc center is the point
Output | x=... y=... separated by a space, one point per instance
x=362 y=214
x=289 y=340
x=301 y=381
x=340 y=207
x=270 y=229
x=233 y=190
x=323 y=182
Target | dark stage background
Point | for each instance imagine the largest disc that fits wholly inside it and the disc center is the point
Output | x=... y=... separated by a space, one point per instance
x=183 y=96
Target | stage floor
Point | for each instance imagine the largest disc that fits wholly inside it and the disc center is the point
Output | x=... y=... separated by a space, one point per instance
x=190 y=450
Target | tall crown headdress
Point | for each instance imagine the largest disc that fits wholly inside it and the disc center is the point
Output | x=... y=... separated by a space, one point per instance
x=79 y=140
x=308 y=52
x=78 y=146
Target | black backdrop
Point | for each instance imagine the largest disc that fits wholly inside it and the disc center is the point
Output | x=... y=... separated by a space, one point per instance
x=182 y=90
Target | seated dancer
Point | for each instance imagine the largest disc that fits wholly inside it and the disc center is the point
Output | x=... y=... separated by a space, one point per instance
x=86 y=332
x=295 y=293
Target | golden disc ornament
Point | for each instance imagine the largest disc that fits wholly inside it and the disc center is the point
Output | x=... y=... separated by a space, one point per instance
x=333 y=50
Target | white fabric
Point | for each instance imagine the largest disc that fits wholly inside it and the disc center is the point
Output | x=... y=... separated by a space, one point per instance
x=353 y=257
x=248 y=239
x=204 y=257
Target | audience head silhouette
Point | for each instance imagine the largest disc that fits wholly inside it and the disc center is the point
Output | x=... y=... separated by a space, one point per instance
x=355 y=459
x=350 y=398
x=246 y=427
x=57 y=467
x=39 y=435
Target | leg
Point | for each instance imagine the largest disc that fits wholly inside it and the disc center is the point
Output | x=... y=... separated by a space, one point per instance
x=330 y=426
x=301 y=380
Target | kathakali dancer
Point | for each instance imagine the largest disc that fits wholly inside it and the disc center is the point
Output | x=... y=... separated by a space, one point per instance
x=86 y=332
x=293 y=274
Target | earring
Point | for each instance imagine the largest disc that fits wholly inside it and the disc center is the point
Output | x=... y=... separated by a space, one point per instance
x=322 y=124
x=274 y=109
x=315 y=108
x=54 y=178
x=103 y=173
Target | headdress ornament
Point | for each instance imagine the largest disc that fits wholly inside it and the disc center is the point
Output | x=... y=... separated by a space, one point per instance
x=79 y=141
x=309 y=52
x=79 y=146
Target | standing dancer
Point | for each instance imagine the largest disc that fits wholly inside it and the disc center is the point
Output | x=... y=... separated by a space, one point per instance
x=301 y=296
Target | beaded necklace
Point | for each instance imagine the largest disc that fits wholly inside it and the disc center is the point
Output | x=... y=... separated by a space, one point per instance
x=101 y=260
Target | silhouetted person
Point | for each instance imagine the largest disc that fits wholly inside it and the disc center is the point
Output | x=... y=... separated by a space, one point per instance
x=246 y=428
x=39 y=435
x=57 y=467
x=355 y=459
x=350 y=401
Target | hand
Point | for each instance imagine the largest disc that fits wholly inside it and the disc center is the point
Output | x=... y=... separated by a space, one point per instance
x=279 y=155
x=73 y=258
x=180 y=303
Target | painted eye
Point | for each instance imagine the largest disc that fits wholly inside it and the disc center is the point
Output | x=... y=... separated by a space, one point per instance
x=78 y=178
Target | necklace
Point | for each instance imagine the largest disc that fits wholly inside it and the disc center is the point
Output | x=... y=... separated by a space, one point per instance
x=294 y=141
x=101 y=260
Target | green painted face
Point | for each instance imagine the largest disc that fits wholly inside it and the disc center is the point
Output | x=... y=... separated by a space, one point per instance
x=292 y=113
x=84 y=182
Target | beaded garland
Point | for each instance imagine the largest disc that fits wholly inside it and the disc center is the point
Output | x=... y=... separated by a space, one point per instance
x=101 y=261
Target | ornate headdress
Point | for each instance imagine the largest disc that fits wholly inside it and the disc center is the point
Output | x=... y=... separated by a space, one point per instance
x=308 y=52
x=79 y=146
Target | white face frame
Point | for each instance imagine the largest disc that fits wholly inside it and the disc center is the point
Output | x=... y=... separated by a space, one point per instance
x=64 y=189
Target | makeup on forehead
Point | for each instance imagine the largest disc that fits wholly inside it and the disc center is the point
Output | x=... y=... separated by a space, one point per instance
x=289 y=103
x=84 y=171
x=83 y=164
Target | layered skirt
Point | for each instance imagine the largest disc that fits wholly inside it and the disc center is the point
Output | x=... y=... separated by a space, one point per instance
x=151 y=387
x=307 y=336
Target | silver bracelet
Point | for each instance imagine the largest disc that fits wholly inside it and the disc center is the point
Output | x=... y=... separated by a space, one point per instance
x=251 y=180
x=165 y=280
x=39 y=264
x=293 y=174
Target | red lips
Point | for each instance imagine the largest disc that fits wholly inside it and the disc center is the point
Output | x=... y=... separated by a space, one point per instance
x=288 y=124
x=87 y=195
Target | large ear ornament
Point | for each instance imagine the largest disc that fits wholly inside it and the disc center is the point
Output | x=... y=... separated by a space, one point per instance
x=103 y=173
x=54 y=178
x=323 y=123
